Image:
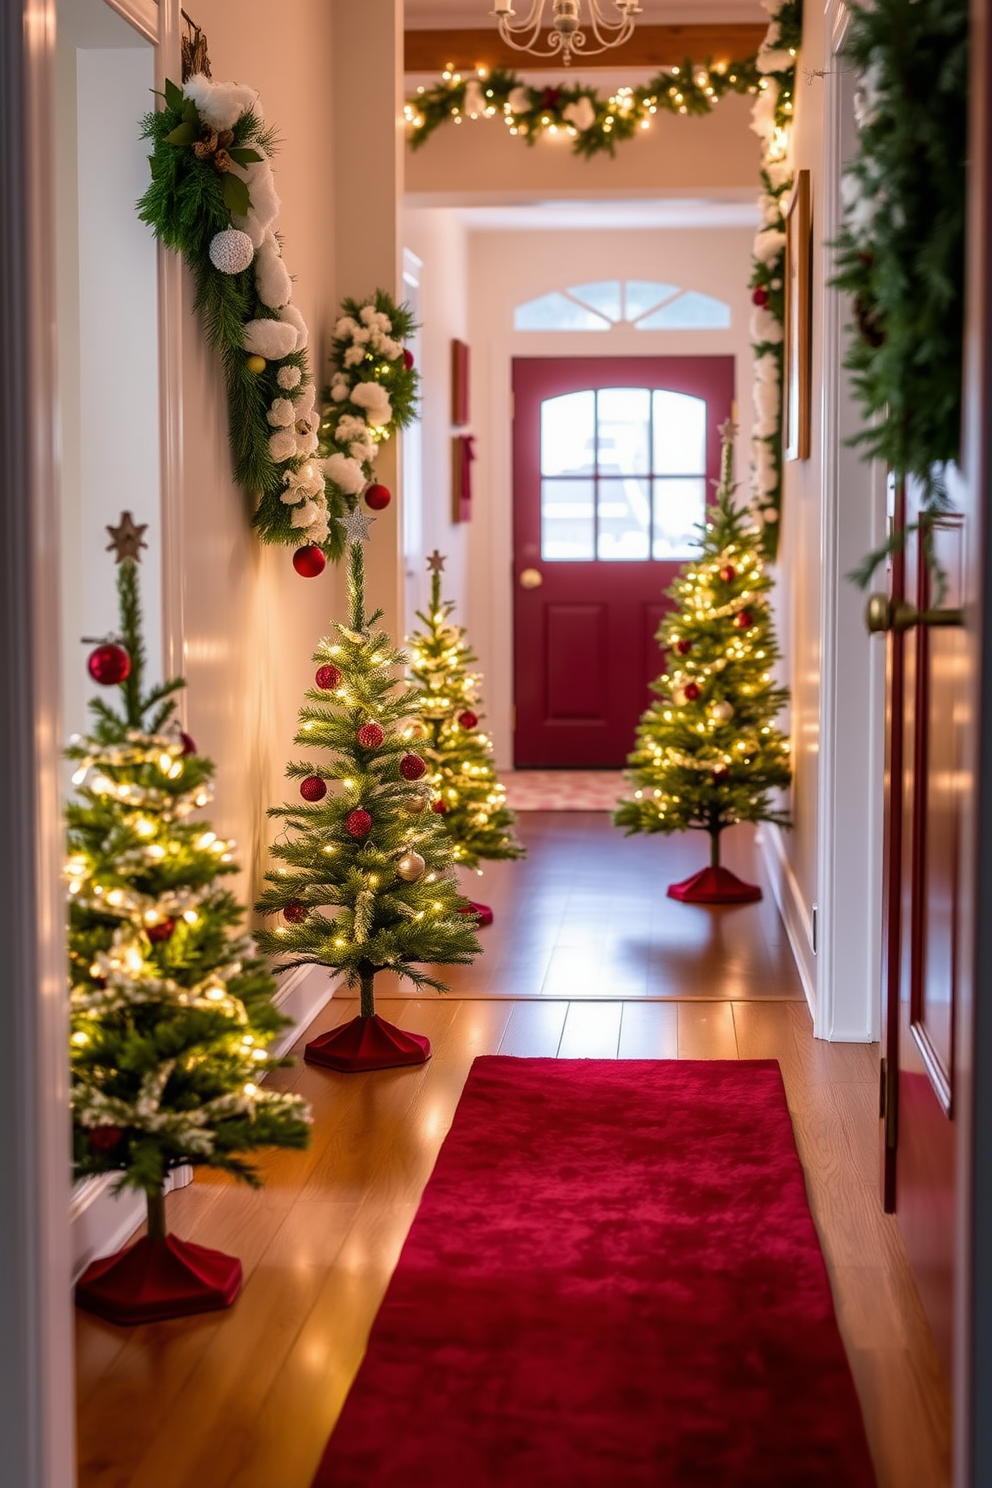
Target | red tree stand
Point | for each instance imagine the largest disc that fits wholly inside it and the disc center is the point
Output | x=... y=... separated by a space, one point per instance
x=368 y=1042
x=158 y=1277
x=714 y=885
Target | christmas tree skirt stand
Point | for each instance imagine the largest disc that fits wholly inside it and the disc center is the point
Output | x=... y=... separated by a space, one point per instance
x=156 y=1279
x=367 y=1044
x=483 y=911
x=714 y=886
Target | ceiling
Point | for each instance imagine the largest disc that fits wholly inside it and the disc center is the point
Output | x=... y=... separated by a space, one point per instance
x=459 y=14
x=586 y=216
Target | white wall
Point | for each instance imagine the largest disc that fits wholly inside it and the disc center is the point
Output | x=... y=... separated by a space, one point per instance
x=509 y=267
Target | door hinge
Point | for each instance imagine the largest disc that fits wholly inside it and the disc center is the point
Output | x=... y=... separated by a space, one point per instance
x=888 y=1100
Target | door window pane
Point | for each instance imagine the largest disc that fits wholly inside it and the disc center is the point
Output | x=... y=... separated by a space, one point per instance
x=568 y=520
x=644 y=294
x=624 y=427
x=679 y=434
x=603 y=296
x=679 y=509
x=556 y=312
x=624 y=520
x=692 y=311
x=568 y=434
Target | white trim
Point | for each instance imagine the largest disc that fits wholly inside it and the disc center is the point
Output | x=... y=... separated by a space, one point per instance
x=143 y=15
x=791 y=906
x=101 y=1221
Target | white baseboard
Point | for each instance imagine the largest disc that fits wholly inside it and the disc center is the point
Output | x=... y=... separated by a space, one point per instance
x=791 y=907
x=101 y=1221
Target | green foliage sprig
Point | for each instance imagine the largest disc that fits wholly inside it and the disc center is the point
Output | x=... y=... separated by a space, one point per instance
x=595 y=124
x=900 y=252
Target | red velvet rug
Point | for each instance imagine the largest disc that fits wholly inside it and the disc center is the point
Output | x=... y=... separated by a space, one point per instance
x=613 y=1280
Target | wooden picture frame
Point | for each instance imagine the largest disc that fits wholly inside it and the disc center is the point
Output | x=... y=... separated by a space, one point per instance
x=797 y=368
x=459 y=384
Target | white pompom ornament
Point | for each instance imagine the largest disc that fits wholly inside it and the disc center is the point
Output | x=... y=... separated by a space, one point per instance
x=231 y=251
x=721 y=712
x=410 y=866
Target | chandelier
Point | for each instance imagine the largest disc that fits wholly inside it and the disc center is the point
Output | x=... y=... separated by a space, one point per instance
x=567 y=34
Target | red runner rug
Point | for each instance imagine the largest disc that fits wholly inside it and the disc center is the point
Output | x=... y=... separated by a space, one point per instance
x=613 y=1280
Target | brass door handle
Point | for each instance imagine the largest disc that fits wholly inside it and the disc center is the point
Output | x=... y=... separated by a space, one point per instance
x=530 y=578
x=883 y=613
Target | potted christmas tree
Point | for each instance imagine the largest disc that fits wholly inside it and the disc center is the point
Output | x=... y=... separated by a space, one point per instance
x=708 y=753
x=171 y=1012
x=366 y=880
x=468 y=796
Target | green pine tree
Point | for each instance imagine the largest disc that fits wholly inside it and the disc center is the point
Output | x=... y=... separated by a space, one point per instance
x=171 y=1011
x=708 y=753
x=471 y=800
x=367 y=881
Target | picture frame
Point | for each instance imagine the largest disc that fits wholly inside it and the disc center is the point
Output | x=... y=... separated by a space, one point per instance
x=459 y=384
x=797 y=368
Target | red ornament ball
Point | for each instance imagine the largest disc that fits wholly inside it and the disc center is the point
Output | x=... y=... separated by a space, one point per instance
x=358 y=823
x=728 y=574
x=441 y=807
x=327 y=678
x=407 y=359
x=189 y=744
x=759 y=296
x=309 y=561
x=377 y=497
x=105 y=1139
x=683 y=647
x=109 y=664
x=692 y=692
x=743 y=620
x=313 y=788
x=161 y=931
x=295 y=911
x=370 y=736
x=412 y=767
x=468 y=719
x=721 y=772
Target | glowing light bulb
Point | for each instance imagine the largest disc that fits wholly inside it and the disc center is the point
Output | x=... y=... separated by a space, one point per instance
x=191 y=917
x=80 y=1038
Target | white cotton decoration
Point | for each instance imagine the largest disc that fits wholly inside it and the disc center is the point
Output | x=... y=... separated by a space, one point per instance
x=350 y=426
x=265 y=203
x=292 y=317
x=765 y=326
x=346 y=474
x=339 y=391
x=319 y=527
x=581 y=113
x=292 y=494
x=282 y=445
x=766 y=369
x=304 y=515
x=367 y=315
x=271 y=339
x=772 y=60
x=363 y=450
x=354 y=355
x=382 y=322
x=345 y=327
x=307 y=441
x=231 y=251
x=282 y=413
x=288 y=377
x=767 y=407
x=770 y=209
x=779 y=172
x=769 y=244
x=473 y=103
x=372 y=396
x=519 y=100
x=220 y=104
x=390 y=349
x=275 y=288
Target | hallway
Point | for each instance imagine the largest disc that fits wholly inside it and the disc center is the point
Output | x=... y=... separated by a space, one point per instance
x=246 y=1399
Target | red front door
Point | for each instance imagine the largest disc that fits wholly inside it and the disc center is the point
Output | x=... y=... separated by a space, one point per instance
x=612 y=463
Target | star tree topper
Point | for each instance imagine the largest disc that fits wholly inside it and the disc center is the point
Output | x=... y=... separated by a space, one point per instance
x=127 y=539
x=436 y=562
x=356 y=524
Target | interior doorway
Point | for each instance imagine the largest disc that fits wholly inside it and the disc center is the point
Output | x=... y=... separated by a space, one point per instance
x=613 y=460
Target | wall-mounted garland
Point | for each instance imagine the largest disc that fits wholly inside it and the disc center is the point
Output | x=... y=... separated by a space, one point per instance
x=771 y=120
x=212 y=198
x=900 y=251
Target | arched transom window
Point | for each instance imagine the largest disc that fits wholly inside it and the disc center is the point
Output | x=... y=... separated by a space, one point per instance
x=646 y=304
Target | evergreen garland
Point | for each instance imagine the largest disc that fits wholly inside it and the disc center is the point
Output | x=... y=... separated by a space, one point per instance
x=900 y=252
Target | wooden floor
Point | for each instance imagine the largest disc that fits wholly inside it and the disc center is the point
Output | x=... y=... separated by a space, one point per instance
x=246 y=1399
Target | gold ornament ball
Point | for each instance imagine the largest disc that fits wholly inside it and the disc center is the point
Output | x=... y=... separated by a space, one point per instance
x=410 y=866
x=416 y=804
x=256 y=363
x=413 y=728
x=722 y=712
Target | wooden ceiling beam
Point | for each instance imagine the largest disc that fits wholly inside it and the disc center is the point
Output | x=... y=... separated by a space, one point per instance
x=650 y=47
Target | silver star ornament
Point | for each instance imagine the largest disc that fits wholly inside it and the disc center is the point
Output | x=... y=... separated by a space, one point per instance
x=356 y=524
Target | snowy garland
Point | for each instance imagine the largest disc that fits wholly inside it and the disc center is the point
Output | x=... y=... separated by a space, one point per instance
x=593 y=123
x=771 y=120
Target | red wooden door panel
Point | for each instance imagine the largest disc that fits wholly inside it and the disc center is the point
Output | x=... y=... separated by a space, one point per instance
x=598 y=537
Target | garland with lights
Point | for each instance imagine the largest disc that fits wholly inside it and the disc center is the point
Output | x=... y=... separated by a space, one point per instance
x=901 y=248
x=771 y=120
x=593 y=123
x=708 y=753
x=170 y=1010
x=365 y=881
x=460 y=753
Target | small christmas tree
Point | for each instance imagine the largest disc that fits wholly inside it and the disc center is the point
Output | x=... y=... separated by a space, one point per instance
x=470 y=798
x=171 y=1012
x=367 y=882
x=708 y=753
